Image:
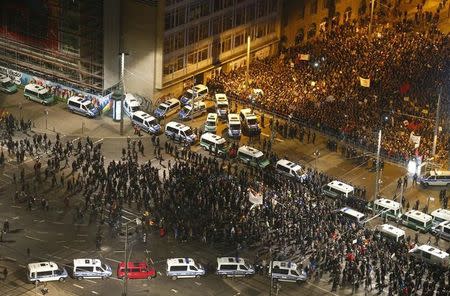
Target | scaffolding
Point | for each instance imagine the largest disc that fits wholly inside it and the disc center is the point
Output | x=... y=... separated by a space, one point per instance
x=58 y=40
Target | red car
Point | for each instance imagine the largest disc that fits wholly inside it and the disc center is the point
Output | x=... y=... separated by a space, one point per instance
x=136 y=270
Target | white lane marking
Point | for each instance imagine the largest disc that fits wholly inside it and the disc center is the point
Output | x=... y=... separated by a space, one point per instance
x=17 y=207
x=173 y=290
x=78 y=286
x=198 y=284
x=93 y=292
x=82 y=235
x=34 y=238
x=113 y=260
x=324 y=290
x=119 y=251
x=21 y=265
x=57 y=257
x=42 y=232
x=79 y=241
x=98 y=141
x=62 y=241
x=7 y=176
x=57 y=222
x=265 y=135
x=15 y=218
x=91 y=281
x=11 y=258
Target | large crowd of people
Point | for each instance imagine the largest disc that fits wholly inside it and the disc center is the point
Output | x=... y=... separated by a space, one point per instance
x=319 y=85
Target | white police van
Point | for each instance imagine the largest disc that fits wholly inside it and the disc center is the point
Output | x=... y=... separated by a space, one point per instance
x=352 y=215
x=234 y=126
x=7 y=85
x=38 y=94
x=337 y=189
x=391 y=232
x=213 y=143
x=234 y=267
x=180 y=132
x=90 y=268
x=199 y=93
x=221 y=105
x=190 y=112
x=46 y=272
x=82 y=106
x=442 y=230
x=387 y=208
x=252 y=157
x=249 y=121
x=211 y=123
x=145 y=122
x=183 y=268
x=430 y=255
x=131 y=105
x=440 y=215
x=167 y=108
x=286 y=271
x=435 y=178
x=290 y=169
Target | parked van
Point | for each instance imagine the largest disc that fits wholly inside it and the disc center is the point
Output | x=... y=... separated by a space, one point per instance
x=440 y=215
x=180 y=132
x=417 y=220
x=7 y=85
x=199 y=93
x=442 y=230
x=286 y=271
x=352 y=215
x=430 y=255
x=234 y=267
x=82 y=106
x=169 y=107
x=387 y=208
x=435 y=178
x=222 y=106
x=252 y=156
x=46 y=272
x=145 y=122
x=249 y=121
x=183 y=268
x=234 y=126
x=136 y=270
x=290 y=169
x=189 y=112
x=131 y=105
x=391 y=232
x=211 y=123
x=213 y=143
x=90 y=268
x=38 y=94
x=337 y=189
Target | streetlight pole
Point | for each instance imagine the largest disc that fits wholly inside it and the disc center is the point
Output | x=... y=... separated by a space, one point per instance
x=436 y=124
x=125 y=282
x=247 y=73
x=377 y=177
x=372 y=7
x=122 y=88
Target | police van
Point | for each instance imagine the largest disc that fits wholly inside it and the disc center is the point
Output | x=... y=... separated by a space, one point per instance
x=213 y=143
x=221 y=105
x=435 y=178
x=430 y=255
x=417 y=220
x=337 y=189
x=7 y=85
x=442 y=230
x=82 y=106
x=167 y=108
x=252 y=157
x=286 y=271
x=211 y=123
x=234 y=267
x=440 y=215
x=190 y=112
x=199 y=93
x=183 y=268
x=234 y=126
x=388 y=208
x=249 y=121
x=352 y=215
x=290 y=169
x=46 y=272
x=391 y=232
x=131 y=105
x=180 y=132
x=90 y=268
x=145 y=122
x=38 y=94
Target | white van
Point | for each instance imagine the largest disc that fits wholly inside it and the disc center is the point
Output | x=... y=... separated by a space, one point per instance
x=286 y=271
x=183 y=268
x=442 y=229
x=417 y=220
x=222 y=106
x=391 y=232
x=90 y=268
x=290 y=169
x=234 y=267
x=131 y=105
x=167 y=108
x=82 y=106
x=145 y=122
x=252 y=156
x=440 y=215
x=190 y=112
x=249 y=121
x=387 y=207
x=38 y=94
x=337 y=189
x=180 y=132
x=352 y=215
x=199 y=93
x=431 y=255
x=211 y=123
x=46 y=272
x=435 y=178
x=213 y=143
x=234 y=126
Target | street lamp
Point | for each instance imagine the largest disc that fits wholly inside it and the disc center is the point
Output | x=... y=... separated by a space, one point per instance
x=122 y=87
x=385 y=118
x=125 y=282
x=247 y=72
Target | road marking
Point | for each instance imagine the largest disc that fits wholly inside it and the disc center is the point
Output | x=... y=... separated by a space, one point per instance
x=42 y=232
x=173 y=290
x=12 y=259
x=119 y=251
x=15 y=218
x=324 y=290
x=93 y=292
x=75 y=139
x=113 y=260
x=198 y=284
x=151 y=260
x=57 y=222
x=60 y=234
x=91 y=281
x=62 y=241
x=78 y=286
x=98 y=141
x=57 y=257
x=21 y=265
x=34 y=238
x=79 y=241
x=17 y=207
x=82 y=235
x=7 y=176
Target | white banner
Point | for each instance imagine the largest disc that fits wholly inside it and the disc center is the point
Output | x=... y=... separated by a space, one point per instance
x=414 y=139
x=255 y=197
x=365 y=82
x=303 y=57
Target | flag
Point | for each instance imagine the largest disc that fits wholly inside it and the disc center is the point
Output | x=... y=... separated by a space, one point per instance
x=365 y=82
x=255 y=197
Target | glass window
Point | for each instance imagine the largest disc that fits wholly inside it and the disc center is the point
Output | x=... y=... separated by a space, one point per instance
x=203 y=30
x=194 y=11
x=203 y=54
x=192 y=34
x=227 y=21
x=218 y=5
x=313 y=7
x=239 y=39
x=226 y=44
x=192 y=57
x=250 y=12
x=243 y=267
x=262 y=8
x=239 y=17
x=217 y=25
x=192 y=268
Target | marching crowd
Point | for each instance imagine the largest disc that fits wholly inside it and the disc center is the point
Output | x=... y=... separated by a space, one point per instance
x=319 y=85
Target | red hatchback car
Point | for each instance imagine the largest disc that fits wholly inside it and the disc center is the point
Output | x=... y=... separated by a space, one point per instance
x=136 y=270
